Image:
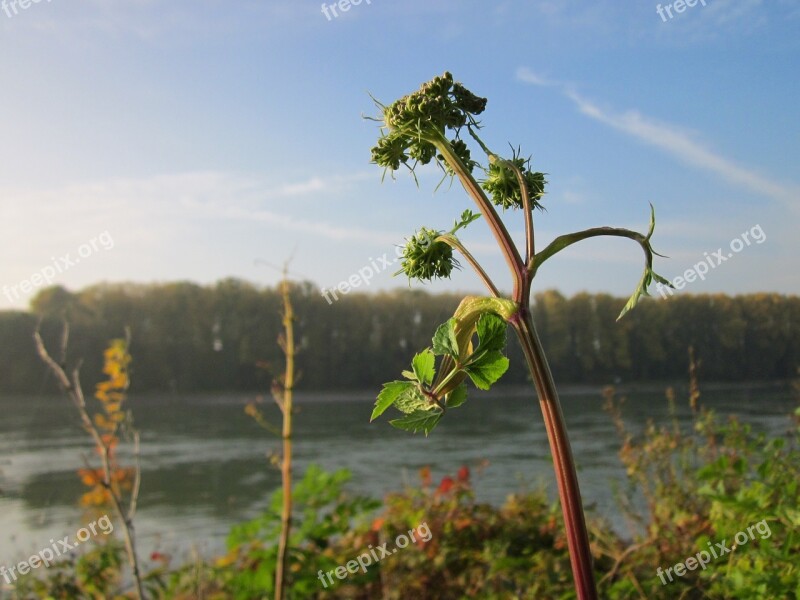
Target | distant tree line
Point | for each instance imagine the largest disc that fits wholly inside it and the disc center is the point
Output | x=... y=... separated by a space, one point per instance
x=187 y=337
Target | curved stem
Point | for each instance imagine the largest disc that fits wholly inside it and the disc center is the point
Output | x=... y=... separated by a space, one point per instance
x=530 y=247
x=563 y=241
x=497 y=226
x=566 y=476
x=454 y=371
x=648 y=276
x=456 y=244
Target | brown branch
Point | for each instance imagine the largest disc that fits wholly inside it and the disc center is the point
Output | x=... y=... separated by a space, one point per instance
x=72 y=387
x=285 y=403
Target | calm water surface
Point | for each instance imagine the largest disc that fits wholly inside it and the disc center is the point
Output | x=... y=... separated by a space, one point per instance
x=205 y=466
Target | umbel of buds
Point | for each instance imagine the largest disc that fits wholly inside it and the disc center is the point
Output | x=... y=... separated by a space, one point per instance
x=502 y=182
x=418 y=122
x=426 y=258
x=427 y=124
x=440 y=103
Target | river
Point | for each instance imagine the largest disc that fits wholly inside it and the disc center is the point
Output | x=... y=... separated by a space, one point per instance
x=205 y=465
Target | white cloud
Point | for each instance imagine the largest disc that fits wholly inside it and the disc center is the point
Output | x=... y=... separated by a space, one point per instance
x=149 y=209
x=672 y=140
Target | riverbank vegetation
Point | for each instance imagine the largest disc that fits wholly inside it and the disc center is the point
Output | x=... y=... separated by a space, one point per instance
x=191 y=338
x=693 y=485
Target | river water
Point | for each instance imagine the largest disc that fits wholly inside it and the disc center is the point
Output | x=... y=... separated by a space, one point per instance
x=205 y=465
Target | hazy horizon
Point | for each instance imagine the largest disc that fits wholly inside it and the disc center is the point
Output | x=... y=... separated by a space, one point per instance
x=196 y=138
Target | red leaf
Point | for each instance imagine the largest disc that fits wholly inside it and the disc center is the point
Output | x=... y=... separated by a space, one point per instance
x=446 y=485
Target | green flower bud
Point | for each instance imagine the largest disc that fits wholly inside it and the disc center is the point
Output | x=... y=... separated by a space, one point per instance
x=425 y=258
x=467 y=101
x=390 y=151
x=503 y=186
x=440 y=104
x=419 y=120
x=422 y=151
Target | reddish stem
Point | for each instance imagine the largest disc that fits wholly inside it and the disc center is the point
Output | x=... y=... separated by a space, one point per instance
x=563 y=462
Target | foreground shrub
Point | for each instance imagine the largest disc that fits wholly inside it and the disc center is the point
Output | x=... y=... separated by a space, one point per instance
x=694 y=483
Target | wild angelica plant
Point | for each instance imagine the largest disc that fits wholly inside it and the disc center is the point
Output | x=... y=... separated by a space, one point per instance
x=434 y=124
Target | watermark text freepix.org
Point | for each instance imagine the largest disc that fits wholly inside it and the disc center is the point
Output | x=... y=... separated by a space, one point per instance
x=713 y=260
x=362 y=277
x=17 y=5
x=342 y=5
x=365 y=274
x=375 y=555
x=715 y=549
x=47 y=274
x=678 y=6
x=48 y=555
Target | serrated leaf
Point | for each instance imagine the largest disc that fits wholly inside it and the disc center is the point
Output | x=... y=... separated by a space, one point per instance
x=423 y=365
x=388 y=396
x=488 y=370
x=457 y=397
x=424 y=420
x=445 y=341
x=641 y=289
x=467 y=217
x=491 y=332
x=411 y=400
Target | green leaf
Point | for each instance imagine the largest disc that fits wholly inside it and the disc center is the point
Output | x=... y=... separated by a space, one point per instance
x=445 y=341
x=641 y=289
x=488 y=370
x=467 y=217
x=491 y=333
x=424 y=366
x=388 y=396
x=425 y=420
x=411 y=400
x=649 y=275
x=457 y=397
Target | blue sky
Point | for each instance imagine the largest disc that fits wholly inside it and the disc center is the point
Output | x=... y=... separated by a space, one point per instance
x=208 y=138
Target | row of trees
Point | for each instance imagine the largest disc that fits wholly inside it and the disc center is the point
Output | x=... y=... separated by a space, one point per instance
x=188 y=337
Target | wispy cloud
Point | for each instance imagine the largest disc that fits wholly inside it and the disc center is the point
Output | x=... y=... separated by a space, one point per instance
x=143 y=203
x=672 y=140
x=316 y=184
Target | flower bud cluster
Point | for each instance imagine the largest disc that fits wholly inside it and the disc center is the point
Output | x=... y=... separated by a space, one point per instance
x=502 y=183
x=415 y=120
x=426 y=258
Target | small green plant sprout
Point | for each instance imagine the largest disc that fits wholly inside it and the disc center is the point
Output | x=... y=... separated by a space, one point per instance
x=434 y=125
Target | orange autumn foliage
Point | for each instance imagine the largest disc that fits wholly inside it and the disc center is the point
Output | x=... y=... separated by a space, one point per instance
x=111 y=395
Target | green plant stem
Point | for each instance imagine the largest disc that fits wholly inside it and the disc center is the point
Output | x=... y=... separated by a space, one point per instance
x=563 y=241
x=527 y=207
x=488 y=212
x=456 y=370
x=563 y=462
x=286 y=463
x=454 y=243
